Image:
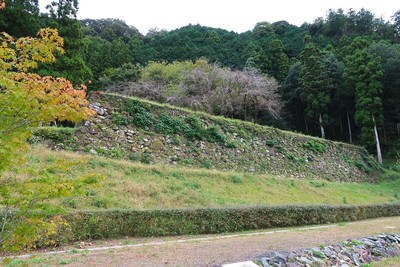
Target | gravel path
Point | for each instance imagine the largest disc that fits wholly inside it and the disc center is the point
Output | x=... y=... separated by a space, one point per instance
x=217 y=250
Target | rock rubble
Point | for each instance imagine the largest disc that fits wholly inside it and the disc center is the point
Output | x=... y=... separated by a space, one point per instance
x=353 y=252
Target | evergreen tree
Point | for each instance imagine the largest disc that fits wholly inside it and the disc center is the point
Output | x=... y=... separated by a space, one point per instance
x=292 y=93
x=71 y=65
x=390 y=55
x=20 y=18
x=316 y=83
x=278 y=61
x=364 y=70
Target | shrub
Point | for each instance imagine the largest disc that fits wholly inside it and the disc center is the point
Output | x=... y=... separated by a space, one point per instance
x=207 y=164
x=146 y=158
x=315 y=146
x=143 y=119
x=119 y=119
x=140 y=116
x=236 y=179
x=195 y=129
x=231 y=144
x=133 y=156
x=168 y=125
x=214 y=135
x=57 y=134
x=271 y=143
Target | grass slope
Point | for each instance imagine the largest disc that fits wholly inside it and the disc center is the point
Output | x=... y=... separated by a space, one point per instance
x=125 y=184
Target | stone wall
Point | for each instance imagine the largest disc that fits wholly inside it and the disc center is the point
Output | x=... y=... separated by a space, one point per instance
x=156 y=133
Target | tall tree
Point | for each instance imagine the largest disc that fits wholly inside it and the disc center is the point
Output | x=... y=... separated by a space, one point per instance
x=363 y=70
x=20 y=18
x=390 y=55
x=292 y=93
x=278 y=61
x=316 y=83
x=71 y=65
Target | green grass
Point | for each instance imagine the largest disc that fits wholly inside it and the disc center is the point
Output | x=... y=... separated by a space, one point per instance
x=124 y=184
x=391 y=262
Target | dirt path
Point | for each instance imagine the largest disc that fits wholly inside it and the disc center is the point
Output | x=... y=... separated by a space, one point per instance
x=216 y=250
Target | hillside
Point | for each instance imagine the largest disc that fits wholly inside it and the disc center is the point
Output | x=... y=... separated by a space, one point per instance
x=134 y=185
x=149 y=132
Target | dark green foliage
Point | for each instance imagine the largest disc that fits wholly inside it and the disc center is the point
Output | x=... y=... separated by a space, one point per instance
x=231 y=144
x=207 y=164
x=119 y=119
x=363 y=72
x=71 y=64
x=195 y=129
x=271 y=143
x=279 y=61
x=20 y=18
x=52 y=133
x=128 y=72
x=115 y=152
x=362 y=166
x=315 y=82
x=146 y=158
x=169 y=125
x=120 y=223
x=214 y=134
x=236 y=179
x=139 y=115
x=317 y=184
x=315 y=146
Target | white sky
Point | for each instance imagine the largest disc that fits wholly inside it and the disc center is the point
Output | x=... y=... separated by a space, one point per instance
x=235 y=15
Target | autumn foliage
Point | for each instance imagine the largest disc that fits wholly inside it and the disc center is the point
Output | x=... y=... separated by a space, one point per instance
x=27 y=98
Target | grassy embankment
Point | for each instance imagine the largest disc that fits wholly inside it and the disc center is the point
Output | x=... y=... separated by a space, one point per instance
x=125 y=184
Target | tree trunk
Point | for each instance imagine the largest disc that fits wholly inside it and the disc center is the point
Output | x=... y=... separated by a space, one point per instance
x=398 y=129
x=322 y=127
x=378 y=146
x=384 y=134
x=245 y=107
x=349 y=125
x=305 y=122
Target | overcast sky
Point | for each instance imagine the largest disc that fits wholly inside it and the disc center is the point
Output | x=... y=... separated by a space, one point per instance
x=235 y=15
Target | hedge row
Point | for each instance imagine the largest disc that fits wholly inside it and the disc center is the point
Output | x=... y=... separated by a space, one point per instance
x=142 y=223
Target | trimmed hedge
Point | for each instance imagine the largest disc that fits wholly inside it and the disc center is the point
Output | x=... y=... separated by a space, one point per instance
x=142 y=223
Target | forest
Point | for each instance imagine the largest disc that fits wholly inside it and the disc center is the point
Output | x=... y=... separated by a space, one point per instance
x=336 y=78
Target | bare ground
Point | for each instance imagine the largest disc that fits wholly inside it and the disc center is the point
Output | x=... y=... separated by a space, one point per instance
x=213 y=250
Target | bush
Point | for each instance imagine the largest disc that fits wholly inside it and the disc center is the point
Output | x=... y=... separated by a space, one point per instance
x=195 y=129
x=139 y=115
x=168 y=125
x=120 y=223
x=315 y=146
x=57 y=134
x=271 y=143
x=146 y=158
x=215 y=135
x=119 y=119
